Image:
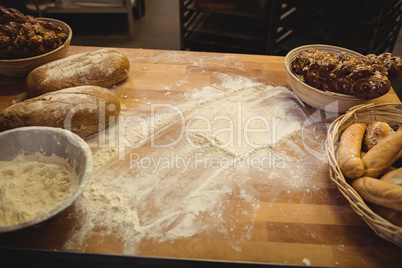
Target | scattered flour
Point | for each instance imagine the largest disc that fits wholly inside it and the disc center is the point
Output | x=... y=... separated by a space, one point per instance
x=306 y=262
x=33 y=185
x=216 y=141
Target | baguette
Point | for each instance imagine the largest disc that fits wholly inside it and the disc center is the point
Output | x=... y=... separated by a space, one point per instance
x=349 y=151
x=379 y=192
x=84 y=110
x=386 y=152
x=394 y=176
x=104 y=68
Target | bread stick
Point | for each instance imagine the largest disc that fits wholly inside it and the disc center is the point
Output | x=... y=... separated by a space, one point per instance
x=391 y=215
x=394 y=176
x=349 y=151
x=382 y=155
x=379 y=192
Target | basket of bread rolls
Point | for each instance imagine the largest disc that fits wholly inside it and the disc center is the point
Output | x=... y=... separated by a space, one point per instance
x=336 y=79
x=364 y=150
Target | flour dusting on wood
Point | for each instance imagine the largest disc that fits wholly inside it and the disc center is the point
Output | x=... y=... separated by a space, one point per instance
x=207 y=153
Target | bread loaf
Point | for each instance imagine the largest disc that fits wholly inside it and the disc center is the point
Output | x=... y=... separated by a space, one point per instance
x=349 y=151
x=375 y=132
x=104 y=68
x=383 y=155
x=394 y=176
x=84 y=110
x=379 y=192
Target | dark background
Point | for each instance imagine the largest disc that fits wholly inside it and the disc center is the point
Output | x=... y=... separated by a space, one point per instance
x=158 y=26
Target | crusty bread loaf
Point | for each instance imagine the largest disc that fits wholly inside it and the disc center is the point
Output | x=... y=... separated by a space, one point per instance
x=394 y=176
x=105 y=68
x=379 y=192
x=84 y=110
x=349 y=152
x=375 y=132
x=383 y=155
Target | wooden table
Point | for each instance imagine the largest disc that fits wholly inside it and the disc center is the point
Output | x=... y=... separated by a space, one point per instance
x=291 y=216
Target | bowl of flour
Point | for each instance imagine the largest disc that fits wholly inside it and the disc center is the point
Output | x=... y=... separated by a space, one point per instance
x=42 y=171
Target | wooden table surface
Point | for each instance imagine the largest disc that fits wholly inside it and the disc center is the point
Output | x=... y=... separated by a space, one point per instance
x=293 y=215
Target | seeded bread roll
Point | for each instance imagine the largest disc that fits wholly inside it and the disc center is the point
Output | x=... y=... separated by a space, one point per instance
x=375 y=132
x=379 y=192
x=84 y=110
x=349 y=152
x=104 y=68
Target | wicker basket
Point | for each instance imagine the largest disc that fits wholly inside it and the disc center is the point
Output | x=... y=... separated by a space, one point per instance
x=323 y=100
x=22 y=67
x=390 y=113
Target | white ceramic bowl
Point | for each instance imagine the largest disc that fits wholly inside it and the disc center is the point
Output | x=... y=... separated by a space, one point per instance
x=22 y=67
x=48 y=141
x=323 y=100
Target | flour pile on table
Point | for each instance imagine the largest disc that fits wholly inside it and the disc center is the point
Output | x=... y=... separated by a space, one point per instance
x=231 y=129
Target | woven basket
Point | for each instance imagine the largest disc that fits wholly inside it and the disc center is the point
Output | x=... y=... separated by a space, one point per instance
x=323 y=100
x=368 y=113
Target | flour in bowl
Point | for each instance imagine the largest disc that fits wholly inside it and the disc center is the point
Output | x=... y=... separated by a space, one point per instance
x=32 y=185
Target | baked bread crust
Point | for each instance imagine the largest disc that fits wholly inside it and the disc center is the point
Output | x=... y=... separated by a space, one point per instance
x=24 y=36
x=375 y=132
x=393 y=176
x=383 y=155
x=379 y=192
x=104 y=67
x=365 y=77
x=83 y=110
x=349 y=152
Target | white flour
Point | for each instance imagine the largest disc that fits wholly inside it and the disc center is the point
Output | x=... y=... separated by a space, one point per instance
x=222 y=135
x=31 y=186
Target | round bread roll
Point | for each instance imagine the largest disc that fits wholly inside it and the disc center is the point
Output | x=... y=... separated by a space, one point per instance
x=375 y=132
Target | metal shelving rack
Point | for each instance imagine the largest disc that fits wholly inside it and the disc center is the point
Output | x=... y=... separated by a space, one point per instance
x=363 y=26
x=225 y=26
